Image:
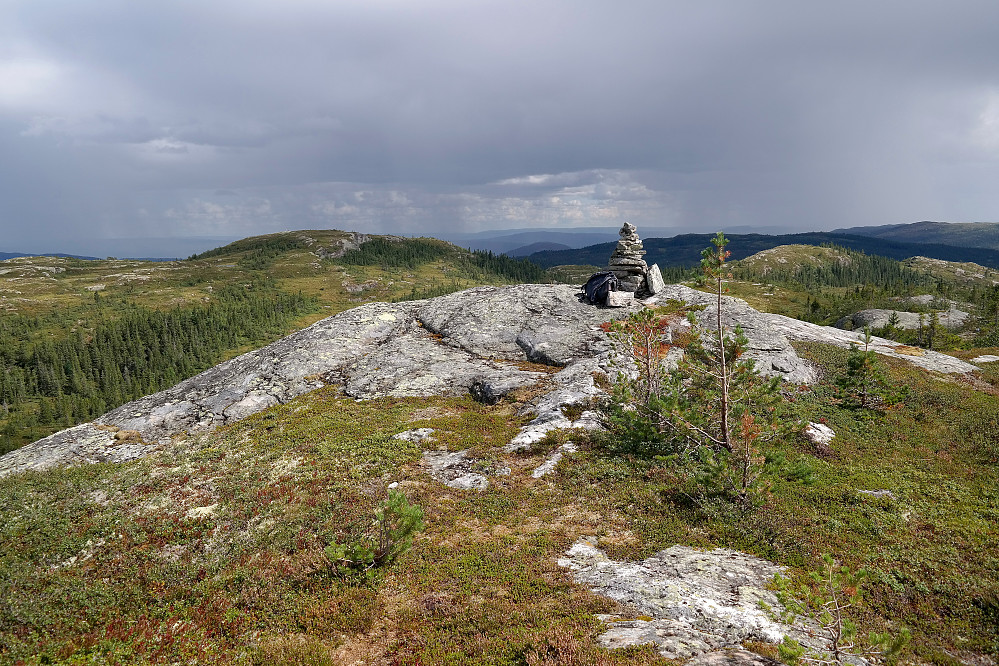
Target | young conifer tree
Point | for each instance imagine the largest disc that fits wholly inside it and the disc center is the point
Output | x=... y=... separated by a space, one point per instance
x=714 y=406
x=826 y=602
x=713 y=264
x=864 y=384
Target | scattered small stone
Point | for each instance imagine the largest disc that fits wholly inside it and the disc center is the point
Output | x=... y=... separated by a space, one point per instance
x=469 y=482
x=416 y=436
x=819 y=434
x=878 y=493
x=393 y=485
x=457 y=470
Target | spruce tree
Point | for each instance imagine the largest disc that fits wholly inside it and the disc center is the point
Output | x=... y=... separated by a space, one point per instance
x=864 y=384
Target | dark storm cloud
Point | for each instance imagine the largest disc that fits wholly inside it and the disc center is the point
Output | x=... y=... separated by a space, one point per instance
x=125 y=118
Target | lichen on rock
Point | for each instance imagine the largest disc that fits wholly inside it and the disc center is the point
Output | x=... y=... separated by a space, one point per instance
x=684 y=601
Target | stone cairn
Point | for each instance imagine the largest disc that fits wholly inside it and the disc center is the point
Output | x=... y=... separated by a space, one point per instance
x=627 y=262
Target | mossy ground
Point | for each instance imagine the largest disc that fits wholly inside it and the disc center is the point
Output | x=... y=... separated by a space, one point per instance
x=212 y=550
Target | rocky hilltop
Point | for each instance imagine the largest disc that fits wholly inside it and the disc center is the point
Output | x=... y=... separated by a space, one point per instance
x=487 y=341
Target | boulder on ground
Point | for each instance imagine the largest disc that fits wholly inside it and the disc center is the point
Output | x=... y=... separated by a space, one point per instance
x=654 y=280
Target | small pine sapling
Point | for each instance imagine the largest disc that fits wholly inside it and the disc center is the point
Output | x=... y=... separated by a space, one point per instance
x=834 y=589
x=390 y=534
x=713 y=407
x=732 y=452
x=641 y=395
x=713 y=265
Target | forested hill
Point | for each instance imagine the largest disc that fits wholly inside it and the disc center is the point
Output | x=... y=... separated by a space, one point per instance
x=79 y=337
x=685 y=249
x=962 y=234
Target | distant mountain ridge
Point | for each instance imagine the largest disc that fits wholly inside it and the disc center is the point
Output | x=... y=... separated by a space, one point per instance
x=962 y=234
x=514 y=242
x=537 y=247
x=685 y=250
x=15 y=255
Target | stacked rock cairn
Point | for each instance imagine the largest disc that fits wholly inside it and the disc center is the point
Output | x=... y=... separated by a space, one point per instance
x=627 y=262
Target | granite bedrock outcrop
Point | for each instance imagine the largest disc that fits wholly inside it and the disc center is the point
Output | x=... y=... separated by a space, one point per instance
x=474 y=341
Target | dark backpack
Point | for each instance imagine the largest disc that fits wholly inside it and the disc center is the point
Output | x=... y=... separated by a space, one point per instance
x=598 y=286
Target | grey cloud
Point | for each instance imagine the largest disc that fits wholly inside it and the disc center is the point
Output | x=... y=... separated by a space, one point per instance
x=455 y=114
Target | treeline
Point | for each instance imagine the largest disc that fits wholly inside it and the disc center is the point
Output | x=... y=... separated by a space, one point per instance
x=840 y=288
x=130 y=352
x=856 y=268
x=412 y=253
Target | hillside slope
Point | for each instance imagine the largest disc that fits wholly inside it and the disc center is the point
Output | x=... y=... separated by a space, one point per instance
x=79 y=337
x=465 y=343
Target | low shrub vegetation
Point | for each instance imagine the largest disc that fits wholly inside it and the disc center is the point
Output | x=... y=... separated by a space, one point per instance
x=276 y=540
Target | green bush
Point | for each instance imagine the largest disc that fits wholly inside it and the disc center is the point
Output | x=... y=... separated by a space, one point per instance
x=713 y=410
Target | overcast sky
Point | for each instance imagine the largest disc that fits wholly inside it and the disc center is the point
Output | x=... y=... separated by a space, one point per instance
x=160 y=118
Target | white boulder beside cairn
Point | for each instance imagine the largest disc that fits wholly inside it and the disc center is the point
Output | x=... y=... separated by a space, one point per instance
x=654 y=282
x=620 y=299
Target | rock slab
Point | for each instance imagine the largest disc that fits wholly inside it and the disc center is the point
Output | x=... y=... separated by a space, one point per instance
x=654 y=280
x=686 y=602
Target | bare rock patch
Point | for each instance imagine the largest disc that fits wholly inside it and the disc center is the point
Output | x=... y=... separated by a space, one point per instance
x=686 y=602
